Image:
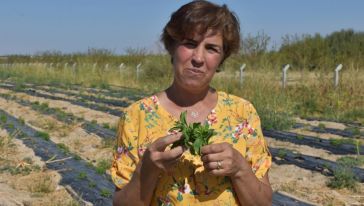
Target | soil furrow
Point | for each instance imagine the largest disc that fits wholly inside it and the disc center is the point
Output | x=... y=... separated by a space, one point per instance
x=80 y=103
x=334 y=146
x=326 y=167
x=85 y=181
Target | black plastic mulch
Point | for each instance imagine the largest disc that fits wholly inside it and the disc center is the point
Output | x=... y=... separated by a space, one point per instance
x=342 y=148
x=94 y=188
x=325 y=167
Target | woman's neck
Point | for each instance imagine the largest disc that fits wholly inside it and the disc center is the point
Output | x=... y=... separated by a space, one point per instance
x=185 y=98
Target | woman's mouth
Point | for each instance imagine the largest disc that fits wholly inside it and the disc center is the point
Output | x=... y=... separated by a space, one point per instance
x=194 y=71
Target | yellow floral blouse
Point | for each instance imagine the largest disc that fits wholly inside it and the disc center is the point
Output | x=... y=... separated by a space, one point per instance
x=234 y=119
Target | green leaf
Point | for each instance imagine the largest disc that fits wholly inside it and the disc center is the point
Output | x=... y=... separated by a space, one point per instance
x=194 y=136
x=197 y=145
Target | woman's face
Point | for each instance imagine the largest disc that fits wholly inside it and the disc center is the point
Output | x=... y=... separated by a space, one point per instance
x=196 y=59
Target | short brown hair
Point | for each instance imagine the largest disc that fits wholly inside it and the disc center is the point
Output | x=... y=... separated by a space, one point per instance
x=200 y=16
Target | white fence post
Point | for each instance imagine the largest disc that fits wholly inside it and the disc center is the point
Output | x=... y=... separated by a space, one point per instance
x=94 y=67
x=74 y=69
x=242 y=74
x=121 y=69
x=336 y=77
x=138 y=70
x=106 y=67
x=284 y=75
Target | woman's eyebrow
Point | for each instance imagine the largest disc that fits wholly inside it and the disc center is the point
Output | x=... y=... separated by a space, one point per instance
x=190 y=40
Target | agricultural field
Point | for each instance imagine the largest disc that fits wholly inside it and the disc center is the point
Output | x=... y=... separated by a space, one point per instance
x=58 y=126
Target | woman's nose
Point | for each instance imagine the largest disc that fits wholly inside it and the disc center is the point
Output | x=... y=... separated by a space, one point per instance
x=197 y=57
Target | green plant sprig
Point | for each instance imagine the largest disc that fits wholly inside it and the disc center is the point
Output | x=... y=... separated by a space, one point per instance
x=194 y=135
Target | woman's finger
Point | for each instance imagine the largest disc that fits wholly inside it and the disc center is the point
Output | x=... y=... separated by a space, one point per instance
x=161 y=143
x=218 y=172
x=214 y=148
x=172 y=154
x=215 y=165
x=213 y=157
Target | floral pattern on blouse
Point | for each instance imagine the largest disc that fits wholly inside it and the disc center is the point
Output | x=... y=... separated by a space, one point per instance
x=235 y=121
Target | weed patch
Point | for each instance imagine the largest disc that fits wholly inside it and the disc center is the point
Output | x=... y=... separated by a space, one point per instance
x=42 y=135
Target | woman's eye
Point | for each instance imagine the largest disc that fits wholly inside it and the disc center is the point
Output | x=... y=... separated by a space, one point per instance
x=212 y=49
x=189 y=44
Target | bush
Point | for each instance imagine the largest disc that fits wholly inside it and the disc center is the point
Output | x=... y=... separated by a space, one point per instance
x=343 y=178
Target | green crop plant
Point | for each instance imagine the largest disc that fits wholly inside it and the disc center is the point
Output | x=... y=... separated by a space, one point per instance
x=3 y=119
x=106 y=125
x=194 y=136
x=351 y=161
x=10 y=125
x=282 y=153
x=64 y=148
x=321 y=126
x=77 y=157
x=42 y=135
x=340 y=141
x=21 y=120
x=343 y=178
x=299 y=136
x=92 y=184
x=105 y=193
x=102 y=166
x=82 y=175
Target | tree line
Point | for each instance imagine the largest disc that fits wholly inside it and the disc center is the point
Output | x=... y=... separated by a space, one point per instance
x=311 y=52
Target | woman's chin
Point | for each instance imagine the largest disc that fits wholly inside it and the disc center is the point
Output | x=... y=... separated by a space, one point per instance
x=194 y=85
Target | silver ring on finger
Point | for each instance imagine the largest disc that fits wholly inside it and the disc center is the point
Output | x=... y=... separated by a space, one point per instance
x=218 y=165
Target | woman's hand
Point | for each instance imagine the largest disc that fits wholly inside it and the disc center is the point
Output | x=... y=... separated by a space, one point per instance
x=223 y=160
x=156 y=157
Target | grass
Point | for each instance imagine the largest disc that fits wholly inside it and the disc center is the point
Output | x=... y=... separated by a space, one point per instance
x=343 y=174
x=82 y=176
x=63 y=148
x=308 y=94
x=282 y=153
x=5 y=142
x=102 y=166
x=42 y=135
x=106 y=125
x=341 y=141
x=92 y=184
x=108 y=143
x=299 y=136
x=105 y=193
x=3 y=119
x=322 y=127
x=43 y=184
x=343 y=178
x=355 y=131
x=351 y=161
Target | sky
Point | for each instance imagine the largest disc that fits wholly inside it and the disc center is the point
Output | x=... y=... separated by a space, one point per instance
x=68 y=26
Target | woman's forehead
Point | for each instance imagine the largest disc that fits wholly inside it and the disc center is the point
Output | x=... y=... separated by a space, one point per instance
x=210 y=34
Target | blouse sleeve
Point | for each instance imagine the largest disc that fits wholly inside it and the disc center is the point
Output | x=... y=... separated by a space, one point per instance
x=125 y=154
x=257 y=154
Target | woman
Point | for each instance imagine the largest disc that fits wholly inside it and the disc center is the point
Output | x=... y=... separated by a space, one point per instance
x=232 y=170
